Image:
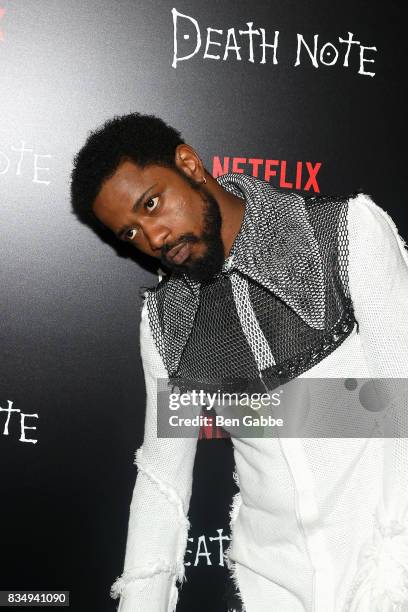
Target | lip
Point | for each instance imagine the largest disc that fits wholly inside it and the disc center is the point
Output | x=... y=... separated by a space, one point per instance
x=179 y=253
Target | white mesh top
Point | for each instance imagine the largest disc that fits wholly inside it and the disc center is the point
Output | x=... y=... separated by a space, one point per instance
x=329 y=533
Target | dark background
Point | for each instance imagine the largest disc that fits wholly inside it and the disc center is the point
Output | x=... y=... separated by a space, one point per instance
x=71 y=301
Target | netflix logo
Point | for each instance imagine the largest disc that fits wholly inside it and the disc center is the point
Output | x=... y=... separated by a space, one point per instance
x=279 y=172
x=210 y=430
x=2 y=12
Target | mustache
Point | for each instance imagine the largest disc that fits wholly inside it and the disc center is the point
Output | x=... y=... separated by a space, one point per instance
x=183 y=238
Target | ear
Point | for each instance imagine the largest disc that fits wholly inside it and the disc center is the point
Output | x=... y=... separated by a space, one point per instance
x=189 y=162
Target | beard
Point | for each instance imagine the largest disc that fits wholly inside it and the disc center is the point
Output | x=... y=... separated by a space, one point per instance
x=210 y=263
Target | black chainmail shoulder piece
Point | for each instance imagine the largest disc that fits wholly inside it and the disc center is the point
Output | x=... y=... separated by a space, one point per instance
x=280 y=304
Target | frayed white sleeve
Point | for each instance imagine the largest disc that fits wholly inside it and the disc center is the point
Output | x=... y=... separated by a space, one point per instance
x=158 y=522
x=378 y=279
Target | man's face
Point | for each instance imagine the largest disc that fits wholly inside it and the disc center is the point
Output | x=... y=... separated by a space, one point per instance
x=165 y=215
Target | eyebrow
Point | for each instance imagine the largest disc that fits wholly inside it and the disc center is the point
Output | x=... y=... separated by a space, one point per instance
x=135 y=206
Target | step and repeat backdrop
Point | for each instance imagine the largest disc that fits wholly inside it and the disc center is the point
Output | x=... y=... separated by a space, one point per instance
x=306 y=95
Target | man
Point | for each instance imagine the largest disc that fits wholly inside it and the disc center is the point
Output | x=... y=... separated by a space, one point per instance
x=264 y=286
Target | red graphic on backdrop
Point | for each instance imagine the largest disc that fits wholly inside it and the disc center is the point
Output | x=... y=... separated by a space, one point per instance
x=211 y=430
x=2 y=11
x=281 y=173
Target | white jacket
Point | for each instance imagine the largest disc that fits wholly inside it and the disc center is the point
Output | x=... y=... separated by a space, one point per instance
x=319 y=525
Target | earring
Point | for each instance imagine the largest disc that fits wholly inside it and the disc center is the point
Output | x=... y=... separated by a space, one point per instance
x=204 y=180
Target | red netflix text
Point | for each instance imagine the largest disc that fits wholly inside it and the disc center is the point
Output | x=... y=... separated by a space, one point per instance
x=281 y=173
x=211 y=430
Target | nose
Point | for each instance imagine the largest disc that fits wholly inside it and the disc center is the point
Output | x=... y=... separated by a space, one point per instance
x=156 y=236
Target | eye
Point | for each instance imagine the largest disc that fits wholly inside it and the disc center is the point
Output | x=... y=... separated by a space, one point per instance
x=151 y=203
x=130 y=234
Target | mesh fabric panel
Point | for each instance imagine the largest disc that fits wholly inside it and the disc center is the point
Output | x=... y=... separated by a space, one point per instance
x=217 y=350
